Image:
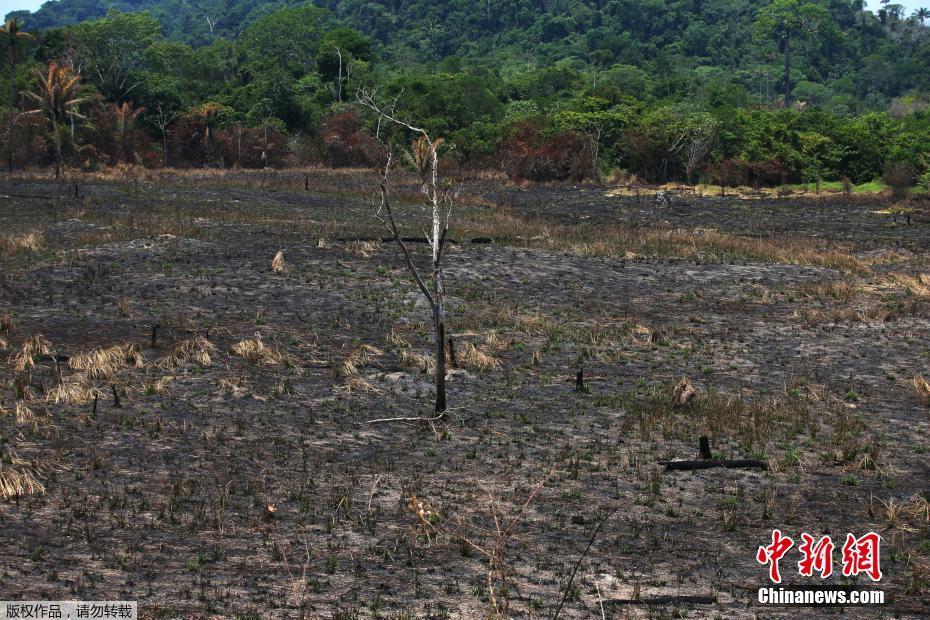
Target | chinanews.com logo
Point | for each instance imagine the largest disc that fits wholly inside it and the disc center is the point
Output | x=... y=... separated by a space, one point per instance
x=860 y=556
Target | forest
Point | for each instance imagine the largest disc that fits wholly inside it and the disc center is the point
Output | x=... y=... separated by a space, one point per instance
x=731 y=92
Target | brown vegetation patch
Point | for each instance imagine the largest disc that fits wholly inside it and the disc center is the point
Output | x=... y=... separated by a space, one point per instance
x=196 y=350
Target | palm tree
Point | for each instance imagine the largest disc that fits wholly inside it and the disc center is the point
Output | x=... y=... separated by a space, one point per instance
x=58 y=97
x=125 y=115
x=922 y=14
x=208 y=114
x=12 y=32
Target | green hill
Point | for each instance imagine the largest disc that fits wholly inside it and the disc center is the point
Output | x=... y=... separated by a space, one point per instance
x=849 y=53
x=547 y=88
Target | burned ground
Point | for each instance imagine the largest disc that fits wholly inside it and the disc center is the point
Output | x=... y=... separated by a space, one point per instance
x=249 y=472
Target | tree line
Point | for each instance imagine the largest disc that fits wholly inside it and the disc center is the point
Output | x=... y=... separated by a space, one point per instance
x=281 y=93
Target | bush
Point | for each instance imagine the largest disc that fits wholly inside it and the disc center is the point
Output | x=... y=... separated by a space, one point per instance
x=899 y=176
x=563 y=156
x=347 y=142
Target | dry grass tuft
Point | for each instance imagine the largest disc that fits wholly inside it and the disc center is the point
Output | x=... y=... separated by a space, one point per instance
x=18 y=483
x=197 y=350
x=124 y=307
x=357 y=384
x=397 y=341
x=21 y=243
x=362 y=248
x=921 y=389
x=277 y=263
x=918 y=285
x=840 y=290
x=24 y=360
x=73 y=392
x=424 y=363
x=255 y=351
x=105 y=363
x=23 y=413
x=4 y=344
x=683 y=392
x=812 y=317
x=359 y=356
x=234 y=385
x=473 y=358
x=159 y=385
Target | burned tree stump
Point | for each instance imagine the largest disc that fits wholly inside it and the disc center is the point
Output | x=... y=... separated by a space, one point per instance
x=705 y=448
x=452 y=360
x=579 y=380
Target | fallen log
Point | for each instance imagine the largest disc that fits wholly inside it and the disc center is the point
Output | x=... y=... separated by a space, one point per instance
x=386 y=240
x=476 y=240
x=665 y=600
x=712 y=463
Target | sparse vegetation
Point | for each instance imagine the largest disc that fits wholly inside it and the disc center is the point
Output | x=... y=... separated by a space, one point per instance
x=291 y=414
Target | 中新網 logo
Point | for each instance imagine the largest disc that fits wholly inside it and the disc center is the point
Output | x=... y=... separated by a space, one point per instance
x=859 y=555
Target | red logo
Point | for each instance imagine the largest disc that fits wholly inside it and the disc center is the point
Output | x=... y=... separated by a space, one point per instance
x=773 y=553
x=861 y=555
x=817 y=556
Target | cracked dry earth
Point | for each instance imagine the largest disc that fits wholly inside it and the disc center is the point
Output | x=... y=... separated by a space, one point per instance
x=253 y=483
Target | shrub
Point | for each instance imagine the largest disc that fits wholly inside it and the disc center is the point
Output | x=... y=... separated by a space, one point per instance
x=899 y=176
x=563 y=156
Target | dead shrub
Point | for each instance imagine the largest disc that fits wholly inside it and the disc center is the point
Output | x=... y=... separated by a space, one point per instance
x=683 y=393
x=899 y=176
x=921 y=389
x=278 y=265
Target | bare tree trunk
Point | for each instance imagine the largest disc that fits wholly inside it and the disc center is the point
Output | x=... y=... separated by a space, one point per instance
x=164 y=147
x=439 y=318
x=787 y=68
x=9 y=120
x=57 y=151
x=339 y=85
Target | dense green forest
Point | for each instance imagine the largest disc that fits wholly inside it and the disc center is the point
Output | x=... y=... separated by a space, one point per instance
x=736 y=91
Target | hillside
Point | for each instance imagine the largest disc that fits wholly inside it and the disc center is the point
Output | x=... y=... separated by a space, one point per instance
x=849 y=51
x=543 y=91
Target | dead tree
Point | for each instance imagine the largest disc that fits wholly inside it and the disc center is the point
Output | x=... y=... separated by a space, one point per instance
x=162 y=117
x=440 y=198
